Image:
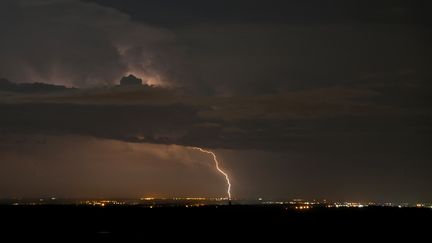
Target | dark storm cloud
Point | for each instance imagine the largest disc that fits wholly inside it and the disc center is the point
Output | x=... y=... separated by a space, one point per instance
x=342 y=68
x=339 y=90
x=295 y=120
x=233 y=47
x=76 y=44
x=8 y=86
x=171 y=12
x=221 y=47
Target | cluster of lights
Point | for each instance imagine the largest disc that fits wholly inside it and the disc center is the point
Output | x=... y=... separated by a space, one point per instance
x=103 y=203
x=292 y=202
x=149 y=198
x=184 y=199
x=280 y=203
x=151 y=202
x=195 y=205
x=303 y=207
x=347 y=205
x=190 y=198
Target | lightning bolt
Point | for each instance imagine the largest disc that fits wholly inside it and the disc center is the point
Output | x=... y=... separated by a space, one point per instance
x=217 y=167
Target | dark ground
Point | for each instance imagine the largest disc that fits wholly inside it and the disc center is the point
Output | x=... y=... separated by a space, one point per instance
x=215 y=222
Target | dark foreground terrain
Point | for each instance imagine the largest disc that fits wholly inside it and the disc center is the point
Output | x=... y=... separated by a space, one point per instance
x=214 y=222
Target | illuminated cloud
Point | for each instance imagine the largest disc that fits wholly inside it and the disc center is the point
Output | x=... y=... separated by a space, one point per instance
x=79 y=44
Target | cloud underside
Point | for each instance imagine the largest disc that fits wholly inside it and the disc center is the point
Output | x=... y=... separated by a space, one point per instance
x=322 y=117
x=78 y=166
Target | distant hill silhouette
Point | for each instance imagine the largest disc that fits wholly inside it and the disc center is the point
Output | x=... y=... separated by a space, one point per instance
x=6 y=85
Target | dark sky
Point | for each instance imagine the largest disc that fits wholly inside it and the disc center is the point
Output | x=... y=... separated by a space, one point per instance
x=313 y=99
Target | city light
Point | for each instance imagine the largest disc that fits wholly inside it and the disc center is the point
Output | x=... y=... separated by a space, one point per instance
x=151 y=202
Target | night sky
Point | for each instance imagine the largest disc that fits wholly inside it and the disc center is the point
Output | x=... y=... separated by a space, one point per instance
x=299 y=99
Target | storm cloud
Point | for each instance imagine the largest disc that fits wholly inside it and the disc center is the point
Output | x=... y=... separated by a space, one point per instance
x=77 y=44
x=270 y=48
x=311 y=98
x=293 y=120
